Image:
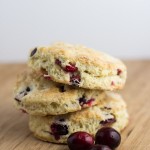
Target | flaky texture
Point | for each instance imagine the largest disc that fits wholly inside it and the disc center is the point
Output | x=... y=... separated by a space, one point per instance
x=88 y=120
x=94 y=70
x=40 y=96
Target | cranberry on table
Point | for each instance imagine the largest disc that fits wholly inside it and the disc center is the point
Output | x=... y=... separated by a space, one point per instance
x=100 y=147
x=80 y=141
x=108 y=136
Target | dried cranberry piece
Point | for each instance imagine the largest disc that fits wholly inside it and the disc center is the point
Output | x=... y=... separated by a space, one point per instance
x=112 y=83
x=47 y=77
x=108 y=121
x=23 y=111
x=108 y=136
x=89 y=102
x=119 y=71
x=28 y=89
x=62 y=88
x=58 y=130
x=75 y=80
x=58 y=62
x=71 y=68
x=33 y=52
x=83 y=101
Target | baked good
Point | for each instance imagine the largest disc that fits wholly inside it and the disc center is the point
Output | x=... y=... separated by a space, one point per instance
x=79 y=66
x=38 y=95
x=111 y=112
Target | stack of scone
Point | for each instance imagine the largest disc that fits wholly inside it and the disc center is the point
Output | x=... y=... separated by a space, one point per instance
x=69 y=89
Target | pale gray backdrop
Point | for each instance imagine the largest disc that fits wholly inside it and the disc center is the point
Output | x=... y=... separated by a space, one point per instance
x=119 y=27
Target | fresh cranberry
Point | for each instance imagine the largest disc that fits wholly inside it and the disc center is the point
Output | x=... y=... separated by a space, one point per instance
x=80 y=141
x=58 y=130
x=108 y=136
x=100 y=147
x=119 y=71
x=33 y=52
x=71 y=68
x=108 y=121
x=75 y=80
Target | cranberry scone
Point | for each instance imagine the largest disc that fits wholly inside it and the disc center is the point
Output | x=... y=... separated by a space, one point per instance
x=38 y=95
x=79 y=66
x=111 y=112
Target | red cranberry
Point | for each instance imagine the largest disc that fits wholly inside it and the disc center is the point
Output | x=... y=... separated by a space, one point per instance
x=99 y=147
x=33 y=52
x=58 y=62
x=75 y=80
x=83 y=101
x=23 y=111
x=89 y=102
x=47 y=77
x=119 y=71
x=108 y=121
x=112 y=83
x=108 y=136
x=58 y=130
x=71 y=68
x=80 y=141
x=62 y=88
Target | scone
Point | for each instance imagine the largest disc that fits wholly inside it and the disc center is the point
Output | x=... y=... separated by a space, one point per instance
x=111 y=112
x=38 y=95
x=79 y=66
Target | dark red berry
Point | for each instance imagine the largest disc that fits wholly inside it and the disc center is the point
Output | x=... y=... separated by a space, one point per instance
x=119 y=71
x=58 y=62
x=108 y=121
x=108 y=136
x=89 y=102
x=23 y=111
x=58 y=129
x=47 y=77
x=62 y=88
x=75 y=80
x=80 y=141
x=112 y=83
x=83 y=101
x=33 y=52
x=71 y=68
x=100 y=147
x=28 y=89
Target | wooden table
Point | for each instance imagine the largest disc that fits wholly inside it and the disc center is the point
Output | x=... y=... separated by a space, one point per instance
x=14 y=132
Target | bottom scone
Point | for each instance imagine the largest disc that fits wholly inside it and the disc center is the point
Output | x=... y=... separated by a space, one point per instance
x=112 y=112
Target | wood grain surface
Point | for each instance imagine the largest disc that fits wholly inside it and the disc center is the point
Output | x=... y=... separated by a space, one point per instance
x=14 y=132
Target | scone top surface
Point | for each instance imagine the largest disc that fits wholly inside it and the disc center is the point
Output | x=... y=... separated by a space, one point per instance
x=79 y=65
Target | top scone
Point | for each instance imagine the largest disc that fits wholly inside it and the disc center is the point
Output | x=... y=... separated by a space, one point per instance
x=79 y=66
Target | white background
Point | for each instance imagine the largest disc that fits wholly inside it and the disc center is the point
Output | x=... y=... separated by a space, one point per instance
x=119 y=27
